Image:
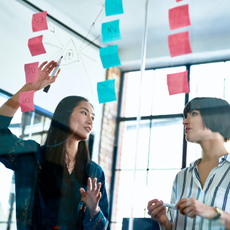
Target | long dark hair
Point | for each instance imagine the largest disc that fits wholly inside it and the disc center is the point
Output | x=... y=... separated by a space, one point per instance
x=54 y=148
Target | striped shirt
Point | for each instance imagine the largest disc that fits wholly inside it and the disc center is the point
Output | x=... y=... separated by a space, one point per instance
x=215 y=193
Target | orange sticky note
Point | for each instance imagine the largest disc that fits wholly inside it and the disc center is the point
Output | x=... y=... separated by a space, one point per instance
x=179 y=44
x=178 y=83
x=36 y=46
x=179 y=17
x=26 y=101
x=31 y=71
x=39 y=21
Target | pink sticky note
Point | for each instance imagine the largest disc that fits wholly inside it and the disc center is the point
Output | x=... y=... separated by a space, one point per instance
x=178 y=83
x=26 y=101
x=35 y=45
x=179 y=17
x=39 y=21
x=179 y=0
x=31 y=71
x=179 y=44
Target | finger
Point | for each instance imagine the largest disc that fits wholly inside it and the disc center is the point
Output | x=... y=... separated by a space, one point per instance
x=49 y=67
x=94 y=184
x=89 y=184
x=82 y=192
x=98 y=187
x=59 y=70
x=43 y=63
x=99 y=197
x=151 y=202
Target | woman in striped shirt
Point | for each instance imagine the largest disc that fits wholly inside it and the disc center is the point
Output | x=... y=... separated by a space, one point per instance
x=201 y=192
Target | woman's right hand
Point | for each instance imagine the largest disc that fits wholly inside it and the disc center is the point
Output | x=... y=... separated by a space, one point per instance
x=43 y=78
x=157 y=211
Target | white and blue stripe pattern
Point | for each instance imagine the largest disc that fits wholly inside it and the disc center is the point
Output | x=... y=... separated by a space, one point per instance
x=215 y=193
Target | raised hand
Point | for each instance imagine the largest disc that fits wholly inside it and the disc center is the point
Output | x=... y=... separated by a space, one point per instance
x=92 y=196
x=43 y=78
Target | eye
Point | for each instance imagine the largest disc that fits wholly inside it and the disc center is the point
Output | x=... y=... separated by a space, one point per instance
x=84 y=112
x=93 y=118
x=194 y=113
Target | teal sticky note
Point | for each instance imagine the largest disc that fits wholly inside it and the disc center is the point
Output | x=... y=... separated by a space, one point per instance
x=106 y=91
x=113 y=7
x=110 y=31
x=109 y=56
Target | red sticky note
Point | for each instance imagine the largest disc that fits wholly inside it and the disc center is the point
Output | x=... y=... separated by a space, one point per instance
x=35 y=45
x=26 y=101
x=179 y=17
x=39 y=21
x=179 y=0
x=179 y=44
x=178 y=83
x=31 y=71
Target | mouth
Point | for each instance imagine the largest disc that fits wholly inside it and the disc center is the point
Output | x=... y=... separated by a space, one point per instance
x=88 y=129
x=187 y=129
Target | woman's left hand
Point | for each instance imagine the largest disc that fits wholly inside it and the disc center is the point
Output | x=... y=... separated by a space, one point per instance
x=192 y=208
x=92 y=196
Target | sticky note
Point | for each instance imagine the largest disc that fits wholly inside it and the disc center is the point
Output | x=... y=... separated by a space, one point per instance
x=39 y=21
x=179 y=17
x=110 y=31
x=31 y=71
x=26 y=101
x=179 y=0
x=178 y=83
x=106 y=91
x=109 y=56
x=36 y=46
x=113 y=7
x=179 y=44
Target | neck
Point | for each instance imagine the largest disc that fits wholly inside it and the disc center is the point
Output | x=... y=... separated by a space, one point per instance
x=213 y=149
x=71 y=148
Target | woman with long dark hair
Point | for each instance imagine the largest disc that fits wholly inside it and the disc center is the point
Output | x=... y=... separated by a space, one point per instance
x=57 y=185
x=201 y=192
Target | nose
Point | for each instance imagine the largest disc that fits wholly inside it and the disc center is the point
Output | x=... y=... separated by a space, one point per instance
x=185 y=122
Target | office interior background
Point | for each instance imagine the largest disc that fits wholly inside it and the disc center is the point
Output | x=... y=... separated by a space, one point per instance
x=75 y=27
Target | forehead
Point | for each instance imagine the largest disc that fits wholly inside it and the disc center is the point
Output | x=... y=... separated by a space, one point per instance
x=85 y=106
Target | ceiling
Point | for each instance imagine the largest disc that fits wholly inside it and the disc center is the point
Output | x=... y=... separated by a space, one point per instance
x=209 y=31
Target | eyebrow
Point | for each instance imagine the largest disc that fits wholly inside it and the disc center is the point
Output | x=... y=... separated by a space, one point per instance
x=87 y=110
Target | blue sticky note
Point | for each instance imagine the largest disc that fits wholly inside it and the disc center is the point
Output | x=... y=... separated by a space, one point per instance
x=110 y=31
x=113 y=7
x=109 y=56
x=106 y=91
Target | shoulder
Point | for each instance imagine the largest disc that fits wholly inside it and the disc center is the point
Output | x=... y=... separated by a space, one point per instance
x=94 y=169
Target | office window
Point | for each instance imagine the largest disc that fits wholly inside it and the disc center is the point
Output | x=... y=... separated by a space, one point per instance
x=160 y=143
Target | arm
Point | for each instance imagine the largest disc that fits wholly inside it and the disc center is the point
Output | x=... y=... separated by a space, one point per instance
x=10 y=145
x=193 y=207
x=11 y=106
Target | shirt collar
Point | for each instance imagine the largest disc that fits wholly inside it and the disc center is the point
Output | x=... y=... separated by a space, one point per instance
x=224 y=158
x=221 y=161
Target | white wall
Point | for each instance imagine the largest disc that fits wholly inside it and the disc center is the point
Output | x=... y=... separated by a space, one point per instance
x=15 y=30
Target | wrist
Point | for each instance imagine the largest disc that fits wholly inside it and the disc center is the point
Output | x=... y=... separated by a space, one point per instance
x=94 y=212
x=216 y=213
